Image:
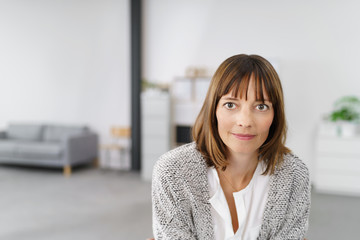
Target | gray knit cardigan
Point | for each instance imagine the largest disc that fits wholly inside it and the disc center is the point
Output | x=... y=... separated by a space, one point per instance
x=180 y=195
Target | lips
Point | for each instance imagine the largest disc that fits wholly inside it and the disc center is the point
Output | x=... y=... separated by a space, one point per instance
x=245 y=137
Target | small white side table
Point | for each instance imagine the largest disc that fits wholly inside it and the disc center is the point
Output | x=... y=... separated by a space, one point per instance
x=117 y=133
x=108 y=149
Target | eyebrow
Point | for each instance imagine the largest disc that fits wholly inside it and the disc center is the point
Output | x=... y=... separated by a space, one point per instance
x=236 y=99
x=230 y=98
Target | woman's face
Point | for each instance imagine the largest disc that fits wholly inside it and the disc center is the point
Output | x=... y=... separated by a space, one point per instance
x=244 y=125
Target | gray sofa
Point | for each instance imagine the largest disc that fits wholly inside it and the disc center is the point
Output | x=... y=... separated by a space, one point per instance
x=48 y=145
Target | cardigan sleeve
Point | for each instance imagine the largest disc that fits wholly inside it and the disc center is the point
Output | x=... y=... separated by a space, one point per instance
x=171 y=214
x=296 y=221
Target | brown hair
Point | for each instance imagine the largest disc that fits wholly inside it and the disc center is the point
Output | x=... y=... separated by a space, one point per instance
x=233 y=75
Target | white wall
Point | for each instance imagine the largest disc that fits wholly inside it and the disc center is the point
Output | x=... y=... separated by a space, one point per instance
x=65 y=61
x=315 y=43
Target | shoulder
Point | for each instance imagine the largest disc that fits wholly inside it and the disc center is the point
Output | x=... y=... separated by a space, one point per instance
x=287 y=212
x=181 y=161
x=292 y=168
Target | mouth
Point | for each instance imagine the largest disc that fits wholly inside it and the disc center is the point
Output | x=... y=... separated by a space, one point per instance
x=245 y=137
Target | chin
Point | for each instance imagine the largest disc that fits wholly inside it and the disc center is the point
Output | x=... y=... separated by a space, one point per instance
x=243 y=151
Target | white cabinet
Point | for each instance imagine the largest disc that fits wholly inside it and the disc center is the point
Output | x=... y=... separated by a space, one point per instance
x=338 y=165
x=155 y=129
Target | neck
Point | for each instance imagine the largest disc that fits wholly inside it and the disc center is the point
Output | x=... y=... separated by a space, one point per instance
x=241 y=169
x=242 y=164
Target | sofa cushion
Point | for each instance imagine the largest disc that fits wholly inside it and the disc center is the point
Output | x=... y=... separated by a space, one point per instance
x=31 y=132
x=58 y=132
x=38 y=150
x=7 y=148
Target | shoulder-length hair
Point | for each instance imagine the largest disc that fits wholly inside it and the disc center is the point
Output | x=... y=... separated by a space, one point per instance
x=234 y=75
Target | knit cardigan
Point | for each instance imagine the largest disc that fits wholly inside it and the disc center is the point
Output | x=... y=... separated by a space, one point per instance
x=180 y=195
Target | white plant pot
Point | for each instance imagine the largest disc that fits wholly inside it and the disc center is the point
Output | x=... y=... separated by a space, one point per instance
x=349 y=129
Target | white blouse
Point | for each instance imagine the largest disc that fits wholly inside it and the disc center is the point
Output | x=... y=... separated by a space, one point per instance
x=250 y=205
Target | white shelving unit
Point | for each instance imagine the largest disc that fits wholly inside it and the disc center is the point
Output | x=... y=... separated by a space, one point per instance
x=156 y=129
x=337 y=166
x=188 y=95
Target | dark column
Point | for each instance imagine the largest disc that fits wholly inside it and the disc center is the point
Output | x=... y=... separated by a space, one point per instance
x=135 y=6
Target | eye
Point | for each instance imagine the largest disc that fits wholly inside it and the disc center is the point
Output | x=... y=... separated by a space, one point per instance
x=262 y=107
x=230 y=105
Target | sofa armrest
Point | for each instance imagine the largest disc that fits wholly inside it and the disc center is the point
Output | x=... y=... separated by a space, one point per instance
x=80 y=148
x=3 y=135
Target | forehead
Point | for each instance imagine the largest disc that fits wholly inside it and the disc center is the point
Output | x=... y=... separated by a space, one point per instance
x=248 y=87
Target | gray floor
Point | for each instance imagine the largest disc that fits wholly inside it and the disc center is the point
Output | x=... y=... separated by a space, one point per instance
x=39 y=204
x=334 y=217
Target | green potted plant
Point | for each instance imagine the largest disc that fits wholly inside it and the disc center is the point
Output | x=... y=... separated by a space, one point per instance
x=347 y=115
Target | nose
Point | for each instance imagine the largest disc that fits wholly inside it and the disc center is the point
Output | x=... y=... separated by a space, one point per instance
x=244 y=118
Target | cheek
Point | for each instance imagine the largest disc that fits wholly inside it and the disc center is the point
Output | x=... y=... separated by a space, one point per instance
x=222 y=122
x=222 y=118
x=268 y=122
x=264 y=123
x=219 y=121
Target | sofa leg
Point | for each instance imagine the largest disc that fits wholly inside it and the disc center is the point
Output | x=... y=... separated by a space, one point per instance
x=67 y=171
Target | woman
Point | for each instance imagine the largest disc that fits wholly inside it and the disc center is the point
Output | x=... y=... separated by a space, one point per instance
x=237 y=180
